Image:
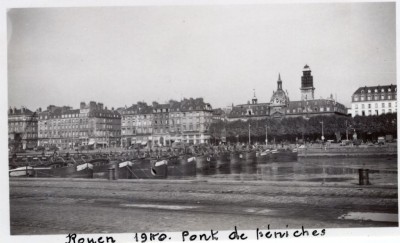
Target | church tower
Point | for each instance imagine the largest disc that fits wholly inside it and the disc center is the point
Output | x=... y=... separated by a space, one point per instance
x=254 y=100
x=307 y=84
x=279 y=82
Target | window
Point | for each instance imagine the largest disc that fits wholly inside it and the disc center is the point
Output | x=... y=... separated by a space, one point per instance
x=362 y=98
x=376 y=105
x=362 y=106
x=369 y=106
x=383 y=105
x=389 y=97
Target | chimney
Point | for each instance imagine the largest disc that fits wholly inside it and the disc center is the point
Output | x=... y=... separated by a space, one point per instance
x=82 y=105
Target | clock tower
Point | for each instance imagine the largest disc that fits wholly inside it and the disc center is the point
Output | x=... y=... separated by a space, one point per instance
x=307 y=85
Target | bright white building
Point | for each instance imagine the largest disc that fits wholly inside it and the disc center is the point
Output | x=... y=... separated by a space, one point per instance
x=374 y=100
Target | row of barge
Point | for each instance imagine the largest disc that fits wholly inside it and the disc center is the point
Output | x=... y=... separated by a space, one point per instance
x=126 y=166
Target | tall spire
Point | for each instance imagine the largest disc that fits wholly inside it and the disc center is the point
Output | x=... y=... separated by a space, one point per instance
x=279 y=82
x=254 y=100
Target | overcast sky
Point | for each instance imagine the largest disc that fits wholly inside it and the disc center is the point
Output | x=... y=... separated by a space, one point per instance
x=121 y=55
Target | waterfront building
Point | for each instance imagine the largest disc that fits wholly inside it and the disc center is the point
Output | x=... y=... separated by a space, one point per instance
x=163 y=124
x=218 y=115
x=315 y=107
x=253 y=110
x=136 y=125
x=91 y=124
x=22 y=128
x=196 y=118
x=281 y=106
x=374 y=100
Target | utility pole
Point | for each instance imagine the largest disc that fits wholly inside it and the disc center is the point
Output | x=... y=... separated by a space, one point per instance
x=249 y=135
x=322 y=137
x=347 y=132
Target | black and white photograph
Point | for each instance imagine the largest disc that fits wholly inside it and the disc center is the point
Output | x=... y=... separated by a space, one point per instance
x=278 y=120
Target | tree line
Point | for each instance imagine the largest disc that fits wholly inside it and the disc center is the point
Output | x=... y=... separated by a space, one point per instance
x=367 y=128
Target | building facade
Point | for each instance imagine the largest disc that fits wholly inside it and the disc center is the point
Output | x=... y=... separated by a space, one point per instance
x=136 y=125
x=163 y=124
x=22 y=128
x=281 y=106
x=91 y=124
x=374 y=100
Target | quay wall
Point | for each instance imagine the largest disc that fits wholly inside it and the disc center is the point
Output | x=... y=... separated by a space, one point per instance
x=355 y=151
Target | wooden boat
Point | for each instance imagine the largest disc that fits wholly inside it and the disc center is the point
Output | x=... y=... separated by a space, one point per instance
x=263 y=156
x=142 y=168
x=183 y=165
x=236 y=159
x=223 y=159
x=249 y=157
x=23 y=171
x=203 y=163
x=159 y=168
x=101 y=166
x=124 y=170
x=64 y=170
x=283 y=155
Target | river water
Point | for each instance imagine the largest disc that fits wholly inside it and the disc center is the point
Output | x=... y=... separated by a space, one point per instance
x=382 y=170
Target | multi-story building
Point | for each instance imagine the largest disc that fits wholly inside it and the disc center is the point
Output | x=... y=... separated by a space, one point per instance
x=374 y=100
x=253 y=110
x=136 y=126
x=22 y=128
x=186 y=121
x=281 y=106
x=196 y=118
x=161 y=124
x=315 y=107
x=91 y=124
x=218 y=115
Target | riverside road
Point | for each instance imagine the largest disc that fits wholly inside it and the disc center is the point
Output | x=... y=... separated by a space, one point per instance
x=62 y=206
